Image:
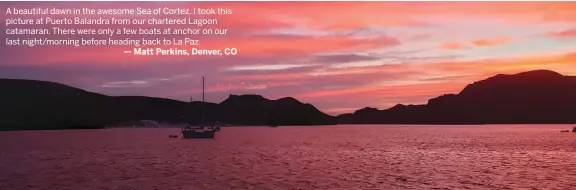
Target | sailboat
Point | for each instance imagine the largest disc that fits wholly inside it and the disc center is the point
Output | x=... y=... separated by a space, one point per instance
x=202 y=130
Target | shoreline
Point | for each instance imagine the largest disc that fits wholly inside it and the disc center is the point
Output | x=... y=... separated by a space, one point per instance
x=265 y=126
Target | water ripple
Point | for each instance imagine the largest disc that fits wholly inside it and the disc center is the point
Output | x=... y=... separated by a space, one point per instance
x=335 y=157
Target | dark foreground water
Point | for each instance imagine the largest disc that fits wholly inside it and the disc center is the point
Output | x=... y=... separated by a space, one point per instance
x=335 y=157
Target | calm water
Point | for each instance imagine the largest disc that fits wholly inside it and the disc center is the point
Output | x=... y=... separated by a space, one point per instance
x=335 y=157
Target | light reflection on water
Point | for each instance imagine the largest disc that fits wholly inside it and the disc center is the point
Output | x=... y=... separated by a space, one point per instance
x=323 y=157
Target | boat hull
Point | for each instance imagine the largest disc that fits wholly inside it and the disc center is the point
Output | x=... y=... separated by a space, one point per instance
x=198 y=135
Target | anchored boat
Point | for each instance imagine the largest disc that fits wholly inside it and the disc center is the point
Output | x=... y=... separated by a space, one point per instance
x=202 y=130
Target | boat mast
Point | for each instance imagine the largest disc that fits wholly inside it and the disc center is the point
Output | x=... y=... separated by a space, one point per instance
x=202 y=101
x=202 y=89
x=187 y=112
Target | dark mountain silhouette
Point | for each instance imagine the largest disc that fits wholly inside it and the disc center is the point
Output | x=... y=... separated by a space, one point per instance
x=257 y=110
x=531 y=97
x=30 y=104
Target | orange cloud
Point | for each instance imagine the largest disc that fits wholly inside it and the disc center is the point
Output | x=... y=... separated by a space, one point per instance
x=563 y=34
x=490 y=42
x=451 y=45
x=509 y=65
x=476 y=43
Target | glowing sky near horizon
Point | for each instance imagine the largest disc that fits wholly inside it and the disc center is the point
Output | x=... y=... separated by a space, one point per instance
x=338 y=56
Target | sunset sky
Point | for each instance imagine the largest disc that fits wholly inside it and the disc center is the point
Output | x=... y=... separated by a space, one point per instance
x=338 y=56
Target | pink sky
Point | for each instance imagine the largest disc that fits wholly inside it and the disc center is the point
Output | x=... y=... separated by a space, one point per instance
x=338 y=56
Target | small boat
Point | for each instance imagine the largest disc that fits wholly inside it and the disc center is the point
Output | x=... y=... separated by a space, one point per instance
x=173 y=136
x=564 y=131
x=273 y=125
x=200 y=131
x=574 y=129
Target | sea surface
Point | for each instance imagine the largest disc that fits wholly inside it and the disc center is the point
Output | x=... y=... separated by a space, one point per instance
x=284 y=158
